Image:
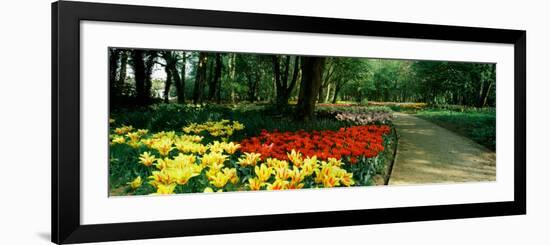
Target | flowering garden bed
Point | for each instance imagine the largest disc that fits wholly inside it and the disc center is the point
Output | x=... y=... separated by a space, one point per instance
x=214 y=157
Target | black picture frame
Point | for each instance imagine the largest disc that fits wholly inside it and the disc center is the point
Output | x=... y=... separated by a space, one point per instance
x=66 y=18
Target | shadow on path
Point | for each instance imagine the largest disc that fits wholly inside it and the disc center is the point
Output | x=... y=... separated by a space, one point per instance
x=428 y=153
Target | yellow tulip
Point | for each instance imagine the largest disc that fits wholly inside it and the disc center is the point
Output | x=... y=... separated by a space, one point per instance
x=330 y=181
x=164 y=146
x=160 y=177
x=189 y=146
x=135 y=183
x=231 y=173
x=309 y=161
x=309 y=168
x=328 y=175
x=216 y=129
x=181 y=175
x=346 y=178
x=162 y=163
x=263 y=172
x=182 y=161
x=276 y=163
x=118 y=140
x=296 y=176
x=295 y=158
x=210 y=190
x=219 y=180
x=148 y=142
x=166 y=189
x=142 y=132
x=213 y=159
x=335 y=162
x=147 y=158
x=228 y=131
x=237 y=125
x=134 y=136
x=134 y=144
x=282 y=173
x=277 y=185
x=123 y=130
x=216 y=147
x=189 y=128
x=249 y=159
x=255 y=184
x=231 y=147
x=293 y=186
x=212 y=172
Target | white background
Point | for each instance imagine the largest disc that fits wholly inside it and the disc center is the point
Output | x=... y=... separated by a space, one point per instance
x=97 y=208
x=25 y=101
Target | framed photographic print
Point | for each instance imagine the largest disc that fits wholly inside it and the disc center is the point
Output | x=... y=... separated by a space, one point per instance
x=175 y=122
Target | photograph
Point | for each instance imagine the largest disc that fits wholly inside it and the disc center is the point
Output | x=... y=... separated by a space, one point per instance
x=187 y=121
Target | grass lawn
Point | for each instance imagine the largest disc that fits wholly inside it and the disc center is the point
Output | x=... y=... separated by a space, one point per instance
x=478 y=125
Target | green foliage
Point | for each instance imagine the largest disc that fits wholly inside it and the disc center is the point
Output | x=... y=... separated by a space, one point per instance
x=167 y=117
x=474 y=123
x=250 y=77
x=124 y=166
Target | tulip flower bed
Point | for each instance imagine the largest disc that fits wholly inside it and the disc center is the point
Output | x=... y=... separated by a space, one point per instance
x=349 y=143
x=213 y=156
x=359 y=115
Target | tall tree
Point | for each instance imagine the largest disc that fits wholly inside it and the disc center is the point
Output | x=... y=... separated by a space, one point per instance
x=180 y=81
x=150 y=58
x=122 y=73
x=168 y=83
x=232 y=63
x=312 y=71
x=172 y=59
x=138 y=65
x=142 y=64
x=215 y=79
x=250 y=69
x=324 y=90
x=200 y=78
x=282 y=86
x=114 y=55
x=345 y=71
x=488 y=77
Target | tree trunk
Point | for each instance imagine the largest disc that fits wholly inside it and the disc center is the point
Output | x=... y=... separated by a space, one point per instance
x=326 y=79
x=168 y=83
x=336 y=91
x=138 y=66
x=282 y=88
x=312 y=68
x=173 y=75
x=232 y=71
x=122 y=74
x=215 y=78
x=251 y=88
x=200 y=79
x=149 y=63
x=209 y=76
x=327 y=95
x=321 y=94
x=180 y=83
x=113 y=66
x=485 y=94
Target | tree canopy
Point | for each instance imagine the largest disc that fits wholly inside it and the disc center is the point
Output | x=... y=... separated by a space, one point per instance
x=283 y=80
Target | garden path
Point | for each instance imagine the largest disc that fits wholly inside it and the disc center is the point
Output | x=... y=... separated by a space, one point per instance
x=428 y=153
